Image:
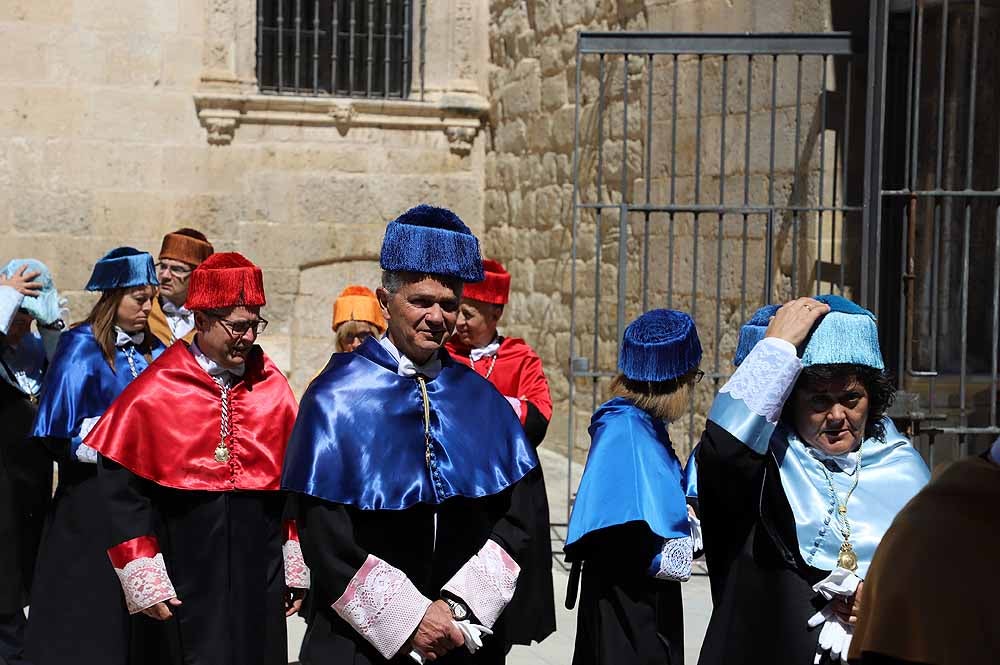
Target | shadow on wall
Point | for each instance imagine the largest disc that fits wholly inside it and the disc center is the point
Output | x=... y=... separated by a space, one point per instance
x=312 y=335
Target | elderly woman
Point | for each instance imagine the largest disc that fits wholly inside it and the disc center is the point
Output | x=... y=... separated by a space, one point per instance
x=77 y=610
x=27 y=296
x=629 y=526
x=356 y=316
x=800 y=473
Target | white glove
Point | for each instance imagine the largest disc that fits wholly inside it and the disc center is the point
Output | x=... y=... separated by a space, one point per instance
x=835 y=636
x=473 y=640
x=696 y=540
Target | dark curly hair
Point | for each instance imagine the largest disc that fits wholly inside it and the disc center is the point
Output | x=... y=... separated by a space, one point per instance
x=878 y=384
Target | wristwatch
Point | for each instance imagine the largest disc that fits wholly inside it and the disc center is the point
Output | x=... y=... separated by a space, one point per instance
x=58 y=324
x=459 y=612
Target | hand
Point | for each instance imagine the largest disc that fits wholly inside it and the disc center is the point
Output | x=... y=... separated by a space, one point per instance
x=856 y=609
x=437 y=634
x=161 y=611
x=293 y=600
x=793 y=321
x=23 y=282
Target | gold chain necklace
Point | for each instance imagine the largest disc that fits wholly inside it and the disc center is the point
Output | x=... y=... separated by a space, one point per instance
x=847 y=558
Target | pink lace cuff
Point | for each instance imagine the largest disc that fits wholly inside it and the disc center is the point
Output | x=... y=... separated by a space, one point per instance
x=382 y=604
x=142 y=572
x=296 y=570
x=486 y=582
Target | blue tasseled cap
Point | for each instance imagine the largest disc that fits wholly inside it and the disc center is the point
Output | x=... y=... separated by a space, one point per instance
x=432 y=240
x=660 y=345
x=122 y=268
x=846 y=335
x=45 y=306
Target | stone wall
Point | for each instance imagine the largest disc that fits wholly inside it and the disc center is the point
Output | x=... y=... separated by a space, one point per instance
x=121 y=121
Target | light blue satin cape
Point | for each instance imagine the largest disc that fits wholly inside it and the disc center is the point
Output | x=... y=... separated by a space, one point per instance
x=79 y=383
x=891 y=473
x=359 y=436
x=632 y=474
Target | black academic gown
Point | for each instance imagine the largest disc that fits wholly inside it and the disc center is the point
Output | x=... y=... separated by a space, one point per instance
x=223 y=620
x=336 y=540
x=626 y=616
x=761 y=587
x=25 y=493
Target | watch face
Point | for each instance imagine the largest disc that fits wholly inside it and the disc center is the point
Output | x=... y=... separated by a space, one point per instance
x=458 y=610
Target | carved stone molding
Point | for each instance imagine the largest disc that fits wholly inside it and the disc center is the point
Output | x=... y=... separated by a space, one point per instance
x=459 y=115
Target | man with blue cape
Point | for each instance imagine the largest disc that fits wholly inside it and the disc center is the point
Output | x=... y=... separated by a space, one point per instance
x=405 y=462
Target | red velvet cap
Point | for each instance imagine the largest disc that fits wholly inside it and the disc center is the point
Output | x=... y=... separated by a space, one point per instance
x=226 y=279
x=495 y=289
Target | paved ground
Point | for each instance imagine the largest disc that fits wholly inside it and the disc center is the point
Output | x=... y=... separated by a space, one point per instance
x=558 y=648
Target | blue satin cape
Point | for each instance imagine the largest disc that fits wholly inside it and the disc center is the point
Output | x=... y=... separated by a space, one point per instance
x=632 y=474
x=891 y=473
x=359 y=436
x=79 y=383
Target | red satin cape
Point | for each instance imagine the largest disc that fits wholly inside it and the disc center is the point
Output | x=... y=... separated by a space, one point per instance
x=165 y=425
x=517 y=373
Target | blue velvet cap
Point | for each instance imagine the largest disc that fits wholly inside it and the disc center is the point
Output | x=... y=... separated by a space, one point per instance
x=660 y=345
x=846 y=335
x=432 y=240
x=45 y=306
x=122 y=268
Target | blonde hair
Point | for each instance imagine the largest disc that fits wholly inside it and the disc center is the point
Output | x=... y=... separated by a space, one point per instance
x=667 y=400
x=354 y=328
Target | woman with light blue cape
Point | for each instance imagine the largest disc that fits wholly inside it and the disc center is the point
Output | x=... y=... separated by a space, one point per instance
x=78 y=612
x=629 y=528
x=800 y=474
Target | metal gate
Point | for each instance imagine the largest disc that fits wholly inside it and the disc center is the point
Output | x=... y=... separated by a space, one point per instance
x=716 y=172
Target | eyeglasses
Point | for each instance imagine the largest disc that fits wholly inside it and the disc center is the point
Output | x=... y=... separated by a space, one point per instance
x=177 y=271
x=239 y=329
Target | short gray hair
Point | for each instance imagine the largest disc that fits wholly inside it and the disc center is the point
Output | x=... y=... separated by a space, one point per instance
x=394 y=280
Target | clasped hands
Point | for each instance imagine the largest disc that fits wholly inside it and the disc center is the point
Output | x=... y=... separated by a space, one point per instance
x=842 y=589
x=438 y=633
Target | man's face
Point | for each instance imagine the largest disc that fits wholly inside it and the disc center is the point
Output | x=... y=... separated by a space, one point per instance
x=133 y=310
x=421 y=315
x=174 y=277
x=832 y=416
x=20 y=326
x=476 y=324
x=226 y=335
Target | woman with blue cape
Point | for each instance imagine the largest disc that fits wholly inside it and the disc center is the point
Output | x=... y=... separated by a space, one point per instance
x=78 y=612
x=800 y=474
x=629 y=528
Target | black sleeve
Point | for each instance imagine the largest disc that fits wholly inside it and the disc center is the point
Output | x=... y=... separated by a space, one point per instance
x=326 y=534
x=126 y=501
x=58 y=449
x=535 y=425
x=622 y=551
x=514 y=523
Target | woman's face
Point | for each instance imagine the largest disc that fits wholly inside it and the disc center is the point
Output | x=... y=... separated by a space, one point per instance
x=351 y=334
x=832 y=416
x=133 y=310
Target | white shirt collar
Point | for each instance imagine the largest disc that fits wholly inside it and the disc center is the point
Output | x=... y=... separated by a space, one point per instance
x=487 y=351
x=214 y=369
x=170 y=309
x=123 y=338
x=848 y=462
x=406 y=367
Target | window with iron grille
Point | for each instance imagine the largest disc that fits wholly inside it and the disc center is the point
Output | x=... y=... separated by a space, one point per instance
x=345 y=48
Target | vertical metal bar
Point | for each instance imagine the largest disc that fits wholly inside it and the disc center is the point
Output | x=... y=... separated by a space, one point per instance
x=673 y=186
x=822 y=173
x=913 y=165
x=648 y=176
x=351 y=39
x=909 y=94
x=315 y=58
x=746 y=192
x=941 y=90
x=697 y=191
x=598 y=256
x=407 y=63
x=798 y=201
x=875 y=112
x=423 y=44
x=334 y=35
x=995 y=336
x=388 y=48
x=371 y=48
x=769 y=249
x=260 y=42
x=623 y=210
x=298 y=44
x=845 y=157
x=722 y=202
x=971 y=136
x=281 y=47
x=571 y=429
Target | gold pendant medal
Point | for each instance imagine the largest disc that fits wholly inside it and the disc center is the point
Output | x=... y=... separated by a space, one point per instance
x=847 y=559
x=221 y=452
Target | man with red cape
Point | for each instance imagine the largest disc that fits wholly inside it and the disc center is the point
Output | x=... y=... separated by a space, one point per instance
x=190 y=465
x=514 y=369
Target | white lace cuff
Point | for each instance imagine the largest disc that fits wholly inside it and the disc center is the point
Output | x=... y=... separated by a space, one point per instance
x=674 y=560
x=10 y=302
x=85 y=454
x=142 y=573
x=296 y=570
x=766 y=377
x=382 y=604
x=486 y=582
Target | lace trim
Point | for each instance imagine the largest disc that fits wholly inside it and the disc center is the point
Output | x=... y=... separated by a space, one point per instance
x=296 y=570
x=145 y=583
x=675 y=557
x=486 y=582
x=86 y=454
x=382 y=604
x=764 y=379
